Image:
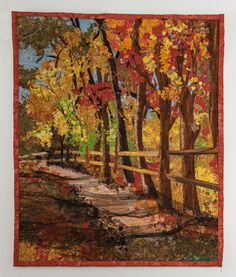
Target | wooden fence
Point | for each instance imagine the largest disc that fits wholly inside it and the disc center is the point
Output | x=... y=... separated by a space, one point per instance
x=88 y=159
x=89 y=154
x=192 y=181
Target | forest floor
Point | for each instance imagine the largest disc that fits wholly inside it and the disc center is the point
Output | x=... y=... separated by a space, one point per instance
x=67 y=215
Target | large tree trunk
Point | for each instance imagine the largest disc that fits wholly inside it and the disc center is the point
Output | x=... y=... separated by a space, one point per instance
x=214 y=68
x=165 y=183
x=106 y=148
x=165 y=126
x=146 y=179
x=121 y=121
x=189 y=137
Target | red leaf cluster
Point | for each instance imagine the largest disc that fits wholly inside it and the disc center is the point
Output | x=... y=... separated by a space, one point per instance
x=97 y=94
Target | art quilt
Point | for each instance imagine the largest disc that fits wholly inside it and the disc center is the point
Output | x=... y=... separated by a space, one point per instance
x=118 y=139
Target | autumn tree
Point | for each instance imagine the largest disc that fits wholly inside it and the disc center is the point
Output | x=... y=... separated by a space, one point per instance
x=176 y=52
x=185 y=65
x=117 y=92
x=151 y=40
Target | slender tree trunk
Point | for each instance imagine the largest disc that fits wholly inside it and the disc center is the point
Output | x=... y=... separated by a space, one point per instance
x=67 y=154
x=214 y=69
x=54 y=144
x=121 y=121
x=97 y=145
x=103 y=114
x=106 y=148
x=165 y=124
x=146 y=179
x=189 y=137
x=62 y=149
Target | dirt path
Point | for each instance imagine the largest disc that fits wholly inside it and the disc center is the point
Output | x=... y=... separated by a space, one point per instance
x=132 y=214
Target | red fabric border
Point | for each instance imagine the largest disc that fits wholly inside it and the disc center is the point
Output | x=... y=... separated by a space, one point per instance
x=221 y=145
x=15 y=140
x=16 y=262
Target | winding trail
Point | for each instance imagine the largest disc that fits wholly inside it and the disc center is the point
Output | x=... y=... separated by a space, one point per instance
x=131 y=214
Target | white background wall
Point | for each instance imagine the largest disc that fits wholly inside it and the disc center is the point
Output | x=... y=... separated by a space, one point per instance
x=6 y=129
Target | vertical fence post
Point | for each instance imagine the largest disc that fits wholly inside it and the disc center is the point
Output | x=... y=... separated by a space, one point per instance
x=75 y=158
x=87 y=156
x=116 y=155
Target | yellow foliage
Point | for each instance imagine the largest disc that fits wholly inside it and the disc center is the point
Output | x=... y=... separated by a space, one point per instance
x=87 y=117
x=114 y=23
x=174 y=136
x=97 y=56
x=199 y=40
x=146 y=28
x=207 y=198
x=149 y=203
x=174 y=78
x=165 y=54
x=29 y=252
x=123 y=44
x=42 y=134
x=177 y=195
x=179 y=27
x=201 y=118
x=126 y=44
x=169 y=93
x=73 y=37
x=204 y=171
x=148 y=24
x=149 y=62
x=77 y=129
x=60 y=123
x=153 y=37
x=151 y=129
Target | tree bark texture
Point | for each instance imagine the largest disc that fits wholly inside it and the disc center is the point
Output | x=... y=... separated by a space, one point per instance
x=214 y=68
x=189 y=137
x=106 y=148
x=146 y=179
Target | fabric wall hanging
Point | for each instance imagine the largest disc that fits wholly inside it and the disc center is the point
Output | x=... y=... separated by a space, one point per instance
x=118 y=139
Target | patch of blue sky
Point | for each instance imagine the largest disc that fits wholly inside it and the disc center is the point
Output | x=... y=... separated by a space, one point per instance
x=85 y=24
x=149 y=113
x=173 y=103
x=29 y=59
x=39 y=82
x=155 y=81
x=23 y=94
x=95 y=76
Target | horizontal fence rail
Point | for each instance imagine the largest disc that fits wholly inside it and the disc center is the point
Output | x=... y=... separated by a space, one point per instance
x=119 y=166
x=195 y=182
x=33 y=155
x=207 y=151
x=125 y=153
